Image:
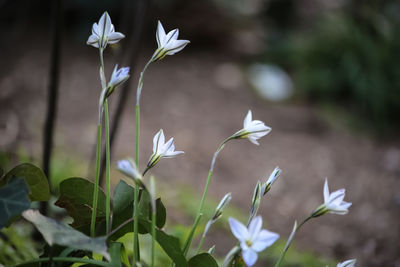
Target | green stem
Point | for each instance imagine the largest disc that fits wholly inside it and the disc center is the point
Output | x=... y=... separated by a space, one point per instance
x=203 y=198
x=153 y=236
x=200 y=244
x=289 y=242
x=108 y=187
x=66 y=259
x=96 y=184
x=136 y=252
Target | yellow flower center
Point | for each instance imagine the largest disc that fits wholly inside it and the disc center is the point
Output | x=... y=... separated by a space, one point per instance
x=249 y=243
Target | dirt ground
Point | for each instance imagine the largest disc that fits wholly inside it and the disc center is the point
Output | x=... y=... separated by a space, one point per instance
x=184 y=96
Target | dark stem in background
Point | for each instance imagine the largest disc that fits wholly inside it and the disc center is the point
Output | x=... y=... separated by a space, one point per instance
x=136 y=32
x=54 y=72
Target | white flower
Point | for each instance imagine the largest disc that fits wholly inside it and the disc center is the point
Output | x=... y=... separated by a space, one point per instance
x=267 y=185
x=168 y=44
x=128 y=167
x=118 y=77
x=348 y=263
x=252 y=239
x=103 y=33
x=333 y=202
x=252 y=129
x=161 y=149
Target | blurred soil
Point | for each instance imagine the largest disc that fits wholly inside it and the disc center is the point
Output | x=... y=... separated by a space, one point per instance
x=187 y=97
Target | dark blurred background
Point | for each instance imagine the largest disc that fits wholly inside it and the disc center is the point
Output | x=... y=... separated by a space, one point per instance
x=323 y=74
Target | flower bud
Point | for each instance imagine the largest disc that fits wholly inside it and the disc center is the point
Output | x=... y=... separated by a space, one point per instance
x=267 y=185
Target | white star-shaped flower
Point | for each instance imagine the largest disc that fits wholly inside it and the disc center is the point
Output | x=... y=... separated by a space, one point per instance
x=252 y=239
x=348 y=263
x=168 y=43
x=161 y=149
x=252 y=129
x=334 y=201
x=103 y=33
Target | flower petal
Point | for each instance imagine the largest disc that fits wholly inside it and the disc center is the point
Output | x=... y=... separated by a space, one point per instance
x=114 y=37
x=93 y=40
x=238 y=229
x=172 y=36
x=249 y=257
x=264 y=240
x=158 y=140
x=255 y=227
x=95 y=29
x=247 y=119
x=160 y=35
x=175 y=46
x=326 y=191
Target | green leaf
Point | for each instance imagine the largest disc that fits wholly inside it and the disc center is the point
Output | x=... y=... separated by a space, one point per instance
x=169 y=244
x=13 y=200
x=115 y=254
x=64 y=235
x=34 y=178
x=76 y=196
x=203 y=260
x=122 y=197
x=1 y=172
x=123 y=209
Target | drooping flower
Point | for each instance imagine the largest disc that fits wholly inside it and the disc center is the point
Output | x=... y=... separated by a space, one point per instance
x=161 y=149
x=128 y=167
x=103 y=33
x=252 y=239
x=252 y=129
x=333 y=202
x=348 y=263
x=118 y=77
x=267 y=185
x=168 y=44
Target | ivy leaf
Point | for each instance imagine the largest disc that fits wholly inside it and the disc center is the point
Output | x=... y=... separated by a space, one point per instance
x=64 y=235
x=35 y=179
x=203 y=260
x=76 y=196
x=169 y=244
x=13 y=200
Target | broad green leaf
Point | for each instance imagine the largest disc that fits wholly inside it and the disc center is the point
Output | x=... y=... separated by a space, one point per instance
x=13 y=200
x=64 y=235
x=34 y=178
x=123 y=209
x=122 y=197
x=76 y=196
x=169 y=244
x=203 y=260
x=145 y=209
x=1 y=172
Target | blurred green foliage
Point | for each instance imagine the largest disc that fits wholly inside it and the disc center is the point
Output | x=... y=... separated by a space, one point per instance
x=348 y=58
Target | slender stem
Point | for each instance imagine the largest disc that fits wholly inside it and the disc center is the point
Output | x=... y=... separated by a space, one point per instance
x=96 y=183
x=190 y=237
x=136 y=252
x=201 y=243
x=203 y=198
x=108 y=187
x=289 y=242
x=153 y=236
x=66 y=259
